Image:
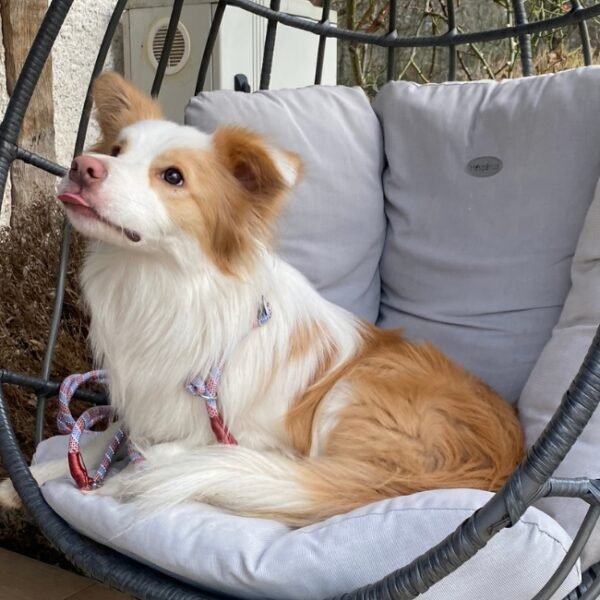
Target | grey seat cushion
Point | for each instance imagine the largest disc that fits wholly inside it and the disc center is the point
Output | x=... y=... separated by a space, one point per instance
x=480 y=265
x=334 y=229
x=259 y=558
x=557 y=366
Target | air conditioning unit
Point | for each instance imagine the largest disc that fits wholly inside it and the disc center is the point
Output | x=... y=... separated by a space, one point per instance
x=238 y=50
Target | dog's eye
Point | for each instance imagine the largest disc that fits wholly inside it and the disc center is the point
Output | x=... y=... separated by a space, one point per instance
x=172 y=176
x=115 y=151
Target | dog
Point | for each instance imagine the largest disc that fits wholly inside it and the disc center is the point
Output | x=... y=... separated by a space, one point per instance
x=329 y=412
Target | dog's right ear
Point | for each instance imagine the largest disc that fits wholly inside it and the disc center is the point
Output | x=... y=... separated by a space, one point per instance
x=119 y=104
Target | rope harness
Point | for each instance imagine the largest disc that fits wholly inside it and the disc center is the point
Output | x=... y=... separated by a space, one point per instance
x=67 y=424
x=208 y=388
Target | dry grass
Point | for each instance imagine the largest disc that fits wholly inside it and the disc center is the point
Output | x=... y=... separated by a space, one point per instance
x=28 y=263
x=560 y=60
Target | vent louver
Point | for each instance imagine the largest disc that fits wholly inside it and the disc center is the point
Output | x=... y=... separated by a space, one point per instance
x=180 y=50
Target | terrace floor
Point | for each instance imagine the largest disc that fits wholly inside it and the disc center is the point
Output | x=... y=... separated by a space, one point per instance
x=22 y=578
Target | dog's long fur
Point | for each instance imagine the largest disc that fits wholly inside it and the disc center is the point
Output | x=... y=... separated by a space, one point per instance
x=330 y=412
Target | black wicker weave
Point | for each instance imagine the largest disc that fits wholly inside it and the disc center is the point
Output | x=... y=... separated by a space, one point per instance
x=532 y=480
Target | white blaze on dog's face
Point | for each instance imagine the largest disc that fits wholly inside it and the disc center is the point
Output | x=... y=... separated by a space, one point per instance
x=151 y=182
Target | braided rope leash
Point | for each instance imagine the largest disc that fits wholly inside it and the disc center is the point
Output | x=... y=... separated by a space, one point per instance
x=75 y=428
x=67 y=424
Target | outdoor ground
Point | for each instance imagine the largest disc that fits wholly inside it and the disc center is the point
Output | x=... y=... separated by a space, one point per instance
x=22 y=578
x=28 y=261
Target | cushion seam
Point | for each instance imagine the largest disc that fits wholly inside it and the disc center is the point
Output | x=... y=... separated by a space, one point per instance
x=555 y=539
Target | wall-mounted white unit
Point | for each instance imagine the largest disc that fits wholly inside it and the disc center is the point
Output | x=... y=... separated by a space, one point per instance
x=238 y=50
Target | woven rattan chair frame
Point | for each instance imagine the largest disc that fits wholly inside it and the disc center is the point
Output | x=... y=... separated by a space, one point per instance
x=530 y=481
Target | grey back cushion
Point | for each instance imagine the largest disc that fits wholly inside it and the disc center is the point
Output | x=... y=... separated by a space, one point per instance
x=334 y=228
x=480 y=265
x=557 y=366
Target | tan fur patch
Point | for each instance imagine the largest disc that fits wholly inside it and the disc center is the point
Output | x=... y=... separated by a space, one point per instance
x=300 y=418
x=248 y=158
x=119 y=104
x=414 y=421
x=303 y=339
x=230 y=197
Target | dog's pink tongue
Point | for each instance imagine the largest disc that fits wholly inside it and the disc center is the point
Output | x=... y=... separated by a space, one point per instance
x=70 y=198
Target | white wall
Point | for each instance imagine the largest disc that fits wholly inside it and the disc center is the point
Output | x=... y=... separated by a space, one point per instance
x=73 y=59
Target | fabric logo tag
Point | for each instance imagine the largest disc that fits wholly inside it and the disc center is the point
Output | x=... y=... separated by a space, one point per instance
x=484 y=166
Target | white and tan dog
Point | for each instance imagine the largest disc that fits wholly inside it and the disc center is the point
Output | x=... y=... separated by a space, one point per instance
x=329 y=412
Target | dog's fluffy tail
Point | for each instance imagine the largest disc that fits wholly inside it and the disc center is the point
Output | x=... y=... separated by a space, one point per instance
x=294 y=491
x=238 y=479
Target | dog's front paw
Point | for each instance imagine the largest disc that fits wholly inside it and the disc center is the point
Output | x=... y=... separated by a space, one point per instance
x=8 y=495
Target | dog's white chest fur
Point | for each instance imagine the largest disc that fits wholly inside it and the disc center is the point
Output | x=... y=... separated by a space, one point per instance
x=156 y=325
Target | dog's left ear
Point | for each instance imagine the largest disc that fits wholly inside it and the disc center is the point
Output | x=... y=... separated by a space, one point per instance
x=258 y=178
x=264 y=172
x=119 y=104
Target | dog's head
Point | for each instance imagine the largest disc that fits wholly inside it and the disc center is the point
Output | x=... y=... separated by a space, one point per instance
x=150 y=183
